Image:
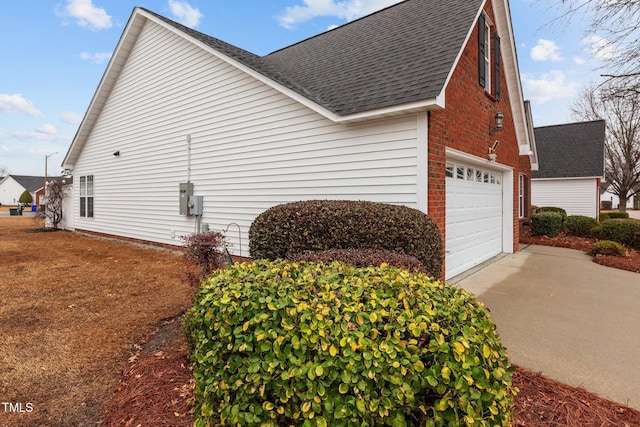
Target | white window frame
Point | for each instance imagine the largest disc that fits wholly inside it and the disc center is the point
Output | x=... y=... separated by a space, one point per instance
x=86 y=196
x=522 y=191
x=487 y=54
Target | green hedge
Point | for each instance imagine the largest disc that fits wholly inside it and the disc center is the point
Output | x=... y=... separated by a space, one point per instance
x=316 y=225
x=578 y=225
x=546 y=223
x=622 y=231
x=363 y=258
x=552 y=209
x=613 y=215
x=306 y=344
x=607 y=247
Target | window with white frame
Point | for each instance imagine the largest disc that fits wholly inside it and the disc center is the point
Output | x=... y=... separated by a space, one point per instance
x=523 y=197
x=86 y=196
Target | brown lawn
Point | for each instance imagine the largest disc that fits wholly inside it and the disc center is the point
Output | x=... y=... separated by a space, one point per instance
x=72 y=309
x=90 y=335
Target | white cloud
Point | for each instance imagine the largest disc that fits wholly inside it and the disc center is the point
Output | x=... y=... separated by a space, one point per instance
x=347 y=9
x=579 y=61
x=549 y=86
x=185 y=13
x=87 y=15
x=601 y=48
x=71 y=118
x=46 y=132
x=96 y=58
x=17 y=104
x=545 y=50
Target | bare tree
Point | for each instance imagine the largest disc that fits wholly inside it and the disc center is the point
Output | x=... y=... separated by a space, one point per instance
x=51 y=209
x=622 y=148
x=3 y=171
x=614 y=33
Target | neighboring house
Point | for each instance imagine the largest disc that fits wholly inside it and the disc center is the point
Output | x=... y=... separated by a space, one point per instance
x=607 y=195
x=571 y=167
x=398 y=107
x=12 y=186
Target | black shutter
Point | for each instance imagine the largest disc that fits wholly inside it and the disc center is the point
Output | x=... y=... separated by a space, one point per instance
x=481 y=49
x=496 y=67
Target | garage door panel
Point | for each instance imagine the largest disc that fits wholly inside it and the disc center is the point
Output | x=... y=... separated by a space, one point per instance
x=474 y=218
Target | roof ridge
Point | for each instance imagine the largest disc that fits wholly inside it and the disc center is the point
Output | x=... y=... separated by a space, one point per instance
x=570 y=124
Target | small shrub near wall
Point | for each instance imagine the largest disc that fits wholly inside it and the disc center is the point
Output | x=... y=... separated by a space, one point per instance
x=317 y=225
x=203 y=252
x=310 y=344
x=578 y=225
x=546 y=223
x=552 y=209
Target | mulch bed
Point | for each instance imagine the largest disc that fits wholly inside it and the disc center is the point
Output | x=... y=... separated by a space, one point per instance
x=157 y=390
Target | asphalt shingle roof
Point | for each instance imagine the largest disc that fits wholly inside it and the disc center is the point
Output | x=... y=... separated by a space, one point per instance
x=570 y=150
x=31 y=183
x=400 y=54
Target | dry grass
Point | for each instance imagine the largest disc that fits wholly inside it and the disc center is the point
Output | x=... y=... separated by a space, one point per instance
x=72 y=309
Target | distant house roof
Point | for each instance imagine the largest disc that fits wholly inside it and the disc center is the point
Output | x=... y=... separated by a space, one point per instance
x=31 y=183
x=573 y=150
x=401 y=54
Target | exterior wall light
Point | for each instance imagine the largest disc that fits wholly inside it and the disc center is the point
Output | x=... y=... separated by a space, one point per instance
x=499 y=118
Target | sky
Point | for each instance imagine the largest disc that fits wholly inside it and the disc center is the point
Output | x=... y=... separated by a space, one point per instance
x=53 y=54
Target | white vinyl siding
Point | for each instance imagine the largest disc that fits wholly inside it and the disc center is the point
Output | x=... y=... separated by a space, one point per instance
x=576 y=196
x=251 y=147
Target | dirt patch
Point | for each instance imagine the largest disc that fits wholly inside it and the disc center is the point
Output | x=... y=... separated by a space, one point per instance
x=73 y=308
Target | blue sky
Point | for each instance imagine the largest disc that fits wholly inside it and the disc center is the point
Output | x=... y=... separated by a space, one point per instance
x=53 y=54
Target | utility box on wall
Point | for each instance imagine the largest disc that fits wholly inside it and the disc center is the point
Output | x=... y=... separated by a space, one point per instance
x=186 y=191
x=195 y=205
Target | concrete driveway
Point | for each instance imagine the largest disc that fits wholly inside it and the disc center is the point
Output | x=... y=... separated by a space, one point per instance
x=559 y=313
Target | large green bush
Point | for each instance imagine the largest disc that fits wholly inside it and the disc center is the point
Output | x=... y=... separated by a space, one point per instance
x=546 y=223
x=317 y=225
x=305 y=344
x=362 y=258
x=578 y=225
x=619 y=230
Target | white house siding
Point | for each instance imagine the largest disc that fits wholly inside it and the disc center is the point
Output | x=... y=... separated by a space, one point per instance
x=10 y=191
x=576 y=196
x=251 y=148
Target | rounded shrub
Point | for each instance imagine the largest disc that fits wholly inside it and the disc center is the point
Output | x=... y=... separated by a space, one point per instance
x=608 y=247
x=614 y=215
x=620 y=230
x=316 y=225
x=578 y=225
x=309 y=344
x=552 y=209
x=362 y=258
x=546 y=223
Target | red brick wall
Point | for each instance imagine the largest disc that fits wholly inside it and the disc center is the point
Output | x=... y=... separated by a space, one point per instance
x=464 y=125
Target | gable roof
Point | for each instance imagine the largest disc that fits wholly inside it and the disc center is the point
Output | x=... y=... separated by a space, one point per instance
x=573 y=150
x=31 y=183
x=397 y=55
x=397 y=59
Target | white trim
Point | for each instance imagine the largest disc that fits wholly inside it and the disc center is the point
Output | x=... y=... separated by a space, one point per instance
x=423 y=161
x=567 y=178
x=507 y=192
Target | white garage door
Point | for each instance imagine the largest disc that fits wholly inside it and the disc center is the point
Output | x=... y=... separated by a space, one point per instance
x=474 y=216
